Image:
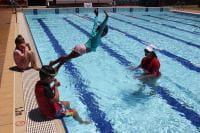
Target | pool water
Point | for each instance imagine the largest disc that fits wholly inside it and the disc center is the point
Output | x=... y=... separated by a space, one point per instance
x=99 y=84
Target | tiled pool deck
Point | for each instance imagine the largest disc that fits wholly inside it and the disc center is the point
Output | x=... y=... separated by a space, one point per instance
x=6 y=80
x=18 y=108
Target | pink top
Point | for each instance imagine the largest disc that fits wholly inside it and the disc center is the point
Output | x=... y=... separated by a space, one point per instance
x=21 y=60
x=80 y=48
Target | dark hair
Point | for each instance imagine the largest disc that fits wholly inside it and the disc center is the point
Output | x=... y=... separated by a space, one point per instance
x=19 y=39
x=146 y=51
x=46 y=71
x=154 y=54
x=105 y=30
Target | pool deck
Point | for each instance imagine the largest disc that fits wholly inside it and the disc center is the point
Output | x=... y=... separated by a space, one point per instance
x=7 y=33
x=186 y=11
x=34 y=122
x=18 y=107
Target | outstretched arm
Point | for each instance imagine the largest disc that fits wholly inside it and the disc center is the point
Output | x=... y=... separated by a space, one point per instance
x=146 y=76
x=61 y=60
x=135 y=68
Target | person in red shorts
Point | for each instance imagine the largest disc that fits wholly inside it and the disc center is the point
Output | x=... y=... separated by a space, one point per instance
x=48 y=97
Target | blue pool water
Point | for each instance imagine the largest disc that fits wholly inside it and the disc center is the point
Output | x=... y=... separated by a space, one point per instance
x=100 y=85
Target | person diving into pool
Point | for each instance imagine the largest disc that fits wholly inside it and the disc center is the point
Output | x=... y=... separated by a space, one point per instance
x=98 y=32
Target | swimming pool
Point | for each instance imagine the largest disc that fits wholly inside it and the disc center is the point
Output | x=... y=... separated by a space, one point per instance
x=100 y=85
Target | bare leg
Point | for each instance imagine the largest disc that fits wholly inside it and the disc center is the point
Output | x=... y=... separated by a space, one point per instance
x=139 y=91
x=64 y=59
x=79 y=119
x=70 y=56
x=66 y=103
x=33 y=60
x=75 y=113
x=51 y=63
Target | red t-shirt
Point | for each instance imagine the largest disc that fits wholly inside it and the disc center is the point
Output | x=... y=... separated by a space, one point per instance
x=151 y=65
x=44 y=93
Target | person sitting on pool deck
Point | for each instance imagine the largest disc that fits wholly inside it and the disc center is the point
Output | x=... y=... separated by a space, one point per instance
x=97 y=33
x=150 y=64
x=23 y=55
x=48 y=97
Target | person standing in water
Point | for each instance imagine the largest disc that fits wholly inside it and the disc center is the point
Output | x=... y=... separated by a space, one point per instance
x=150 y=64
